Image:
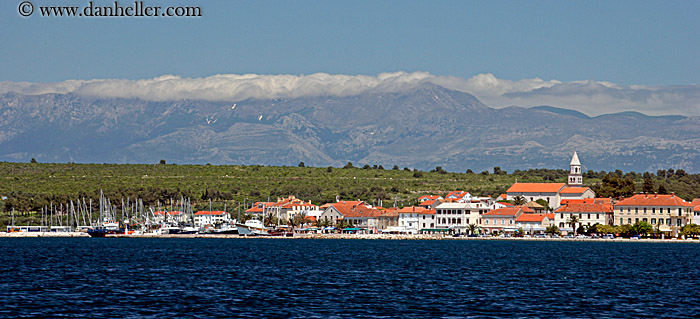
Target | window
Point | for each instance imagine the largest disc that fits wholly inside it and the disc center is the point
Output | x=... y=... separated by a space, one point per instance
x=597 y=216
x=636 y=210
x=653 y=210
x=661 y=221
x=503 y=221
x=486 y=221
x=668 y=211
x=668 y=221
x=653 y=221
x=645 y=210
x=510 y=222
x=589 y=216
x=636 y=220
x=644 y=220
x=678 y=222
x=629 y=210
x=621 y=221
x=629 y=220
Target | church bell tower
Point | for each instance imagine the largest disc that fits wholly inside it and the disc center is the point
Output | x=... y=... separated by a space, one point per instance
x=575 y=175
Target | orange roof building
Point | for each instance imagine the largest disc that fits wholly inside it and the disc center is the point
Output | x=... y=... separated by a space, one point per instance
x=667 y=212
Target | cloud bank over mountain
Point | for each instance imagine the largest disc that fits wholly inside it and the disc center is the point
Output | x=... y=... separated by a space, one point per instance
x=590 y=97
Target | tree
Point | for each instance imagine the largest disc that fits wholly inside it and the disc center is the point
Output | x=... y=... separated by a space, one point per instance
x=348 y=165
x=641 y=228
x=690 y=230
x=552 y=230
x=605 y=229
x=366 y=166
x=519 y=200
x=469 y=171
x=648 y=186
x=395 y=168
x=329 y=169
x=417 y=174
x=662 y=189
x=301 y=164
x=162 y=162
x=33 y=160
x=472 y=228
x=573 y=221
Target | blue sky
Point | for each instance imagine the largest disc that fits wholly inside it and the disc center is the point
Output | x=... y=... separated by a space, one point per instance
x=625 y=42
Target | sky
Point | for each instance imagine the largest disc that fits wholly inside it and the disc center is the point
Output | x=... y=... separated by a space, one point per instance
x=589 y=45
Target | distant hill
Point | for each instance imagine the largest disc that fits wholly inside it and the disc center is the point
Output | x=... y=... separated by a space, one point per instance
x=423 y=127
x=561 y=111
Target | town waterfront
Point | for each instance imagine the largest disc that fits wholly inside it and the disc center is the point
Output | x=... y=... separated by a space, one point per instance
x=161 y=277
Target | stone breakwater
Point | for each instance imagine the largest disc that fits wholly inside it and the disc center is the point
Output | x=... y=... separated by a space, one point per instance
x=345 y=236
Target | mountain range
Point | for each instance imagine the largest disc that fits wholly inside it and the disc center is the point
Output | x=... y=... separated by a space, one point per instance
x=421 y=127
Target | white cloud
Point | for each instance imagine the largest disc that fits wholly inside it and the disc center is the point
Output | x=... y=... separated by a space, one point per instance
x=591 y=97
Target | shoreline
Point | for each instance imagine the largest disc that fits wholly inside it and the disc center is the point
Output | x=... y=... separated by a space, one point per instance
x=344 y=236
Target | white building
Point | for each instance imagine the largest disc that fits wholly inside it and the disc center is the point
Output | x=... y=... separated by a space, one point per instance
x=205 y=218
x=667 y=212
x=458 y=216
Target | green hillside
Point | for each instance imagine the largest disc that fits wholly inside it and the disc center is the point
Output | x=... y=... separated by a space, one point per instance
x=30 y=186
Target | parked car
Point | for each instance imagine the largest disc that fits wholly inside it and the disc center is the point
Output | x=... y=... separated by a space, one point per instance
x=608 y=236
x=569 y=236
x=540 y=236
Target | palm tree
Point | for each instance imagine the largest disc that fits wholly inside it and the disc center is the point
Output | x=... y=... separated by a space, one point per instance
x=472 y=228
x=552 y=230
x=573 y=220
x=519 y=200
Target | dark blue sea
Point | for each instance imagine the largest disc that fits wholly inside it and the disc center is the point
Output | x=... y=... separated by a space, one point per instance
x=278 y=278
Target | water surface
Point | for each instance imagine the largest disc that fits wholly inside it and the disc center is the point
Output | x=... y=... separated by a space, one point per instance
x=272 y=278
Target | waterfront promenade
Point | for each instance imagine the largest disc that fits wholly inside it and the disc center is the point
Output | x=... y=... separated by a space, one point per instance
x=347 y=236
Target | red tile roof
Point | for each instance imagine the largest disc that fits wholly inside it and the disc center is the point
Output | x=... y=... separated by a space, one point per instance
x=427 y=203
x=536 y=188
x=457 y=194
x=695 y=202
x=411 y=210
x=653 y=200
x=605 y=201
x=206 y=212
x=585 y=208
x=428 y=212
x=531 y=217
x=429 y=197
x=505 y=211
x=697 y=208
x=574 y=190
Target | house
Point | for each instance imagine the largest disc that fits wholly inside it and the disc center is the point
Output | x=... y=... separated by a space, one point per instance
x=333 y=213
x=576 y=193
x=667 y=212
x=258 y=208
x=205 y=218
x=534 y=223
x=696 y=211
x=456 y=196
x=589 y=212
x=502 y=219
x=457 y=216
x=408 y=220
x=550 y=192
x=427 y=220
x=430 y=204
x=429 y=197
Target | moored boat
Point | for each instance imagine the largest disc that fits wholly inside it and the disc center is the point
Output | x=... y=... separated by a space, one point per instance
x=252 y=227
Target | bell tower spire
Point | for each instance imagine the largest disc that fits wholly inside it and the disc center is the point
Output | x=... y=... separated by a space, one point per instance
x=575 y=175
